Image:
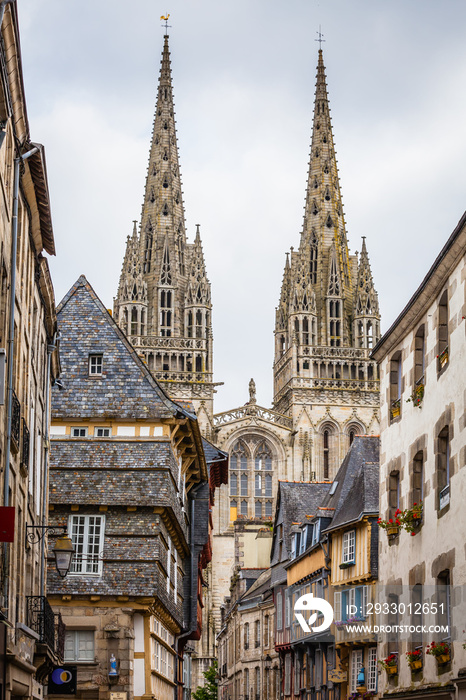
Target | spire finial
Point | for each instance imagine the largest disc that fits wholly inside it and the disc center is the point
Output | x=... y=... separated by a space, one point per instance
x=165 y=19
x=320 y=39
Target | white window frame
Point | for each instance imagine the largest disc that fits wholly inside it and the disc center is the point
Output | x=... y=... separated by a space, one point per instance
x=89 y=561
x=96 y=364
x=80 y=430
x=105 y=431
x=371 y=676
x=356 y=665
x=78 y=638
x=349 y=547
x=337 y=606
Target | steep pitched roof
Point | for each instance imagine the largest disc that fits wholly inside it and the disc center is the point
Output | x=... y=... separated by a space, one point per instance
x=357 y=483
x=260 y=587
x=295 y=500
x=126 y=388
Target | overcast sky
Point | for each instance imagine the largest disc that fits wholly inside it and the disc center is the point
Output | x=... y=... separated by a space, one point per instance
x=244 y=78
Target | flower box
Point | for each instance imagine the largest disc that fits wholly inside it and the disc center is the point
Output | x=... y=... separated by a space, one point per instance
x=415 y=665
x=443 y=659
x=393 y=531
x=346 y=564
x=443 y=358
x=392 y=670
x=395 y=408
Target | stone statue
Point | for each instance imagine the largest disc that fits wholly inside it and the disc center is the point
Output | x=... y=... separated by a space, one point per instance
x=252 y=391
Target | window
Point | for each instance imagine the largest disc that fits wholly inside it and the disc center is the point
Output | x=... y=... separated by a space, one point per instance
x=257 y=640
x=418 y=478
x=287 y=683
x=351 y=603
x=279 y=610
x=443 y=468
x=443 y=331
x=297 y=675
x=268 y=509
x=287 y=608
x=246 y=635
x=246 y=682
x=371 y=675
x=266 y=631
x=87 y=535
x=102 y=432
x=244 y=484
x=393 y=493
x=79 y=645
x=395 y=386
x=349 y=539
x=258 y=509
x=78 y=432
x=244 y=508
x=444 y=602
x=419 y=356
x=233 y=485
x=268 y=485
x=95 y=365
x=258 y=485
x=356 y=664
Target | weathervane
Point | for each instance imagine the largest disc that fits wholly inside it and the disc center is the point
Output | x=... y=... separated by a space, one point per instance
x=166 y=22
x=320 y=40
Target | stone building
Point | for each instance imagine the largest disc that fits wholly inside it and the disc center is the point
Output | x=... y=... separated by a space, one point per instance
x=325 y=384
x=422 y=360
x=248 y=662
x=28 y=365
x=296 y=503
x=129 y=480
x=328 y=550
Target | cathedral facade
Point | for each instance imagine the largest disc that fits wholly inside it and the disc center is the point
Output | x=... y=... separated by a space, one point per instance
x=326 y=387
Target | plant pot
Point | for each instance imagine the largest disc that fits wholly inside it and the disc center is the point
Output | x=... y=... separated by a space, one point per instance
x=443 y=659
x=361 y=689
x=393 y=531
x=392 y=670
x=415 y=665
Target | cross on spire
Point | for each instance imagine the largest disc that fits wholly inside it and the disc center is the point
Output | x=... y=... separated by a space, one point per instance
x=165 y=19
x=320 y=39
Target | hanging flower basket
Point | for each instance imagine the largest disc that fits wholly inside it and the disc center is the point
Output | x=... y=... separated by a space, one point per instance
x=395 y=408
x=409 y=519
x=414 y=659
x=390 y=664
x=443 y=358
x=417 y=395
x=441 y=651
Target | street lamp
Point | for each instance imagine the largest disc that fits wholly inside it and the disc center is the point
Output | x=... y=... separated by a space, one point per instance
x=63 y=550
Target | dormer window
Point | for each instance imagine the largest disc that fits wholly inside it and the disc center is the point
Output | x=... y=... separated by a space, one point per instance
x=96 y=365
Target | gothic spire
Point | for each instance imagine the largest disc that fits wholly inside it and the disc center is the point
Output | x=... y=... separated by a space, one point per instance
x=162 y=210
x=324 y=222
x=366 y=303
x=198 y=292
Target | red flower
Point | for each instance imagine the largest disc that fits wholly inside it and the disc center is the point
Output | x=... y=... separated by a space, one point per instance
x=413 y=534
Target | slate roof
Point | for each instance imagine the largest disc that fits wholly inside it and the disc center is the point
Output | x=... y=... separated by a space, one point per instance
x=260 y=587
x=112 y=473
x=357 y=490
x=126 y=389
x=296 y=500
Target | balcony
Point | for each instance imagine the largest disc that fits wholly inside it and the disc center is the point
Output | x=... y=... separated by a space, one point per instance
x=48 y=625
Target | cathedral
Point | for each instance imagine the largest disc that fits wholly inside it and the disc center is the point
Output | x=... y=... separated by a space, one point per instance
x=326 y=387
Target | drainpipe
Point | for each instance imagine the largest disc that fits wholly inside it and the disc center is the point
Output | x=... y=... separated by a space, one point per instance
x=50 y=350
x=189 y=632
x=11 y=346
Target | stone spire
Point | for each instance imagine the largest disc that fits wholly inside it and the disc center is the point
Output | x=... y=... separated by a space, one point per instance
x=163 y=236
x=174 y=330
x=366 y=328
x=315 y=318
x=130 y=304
